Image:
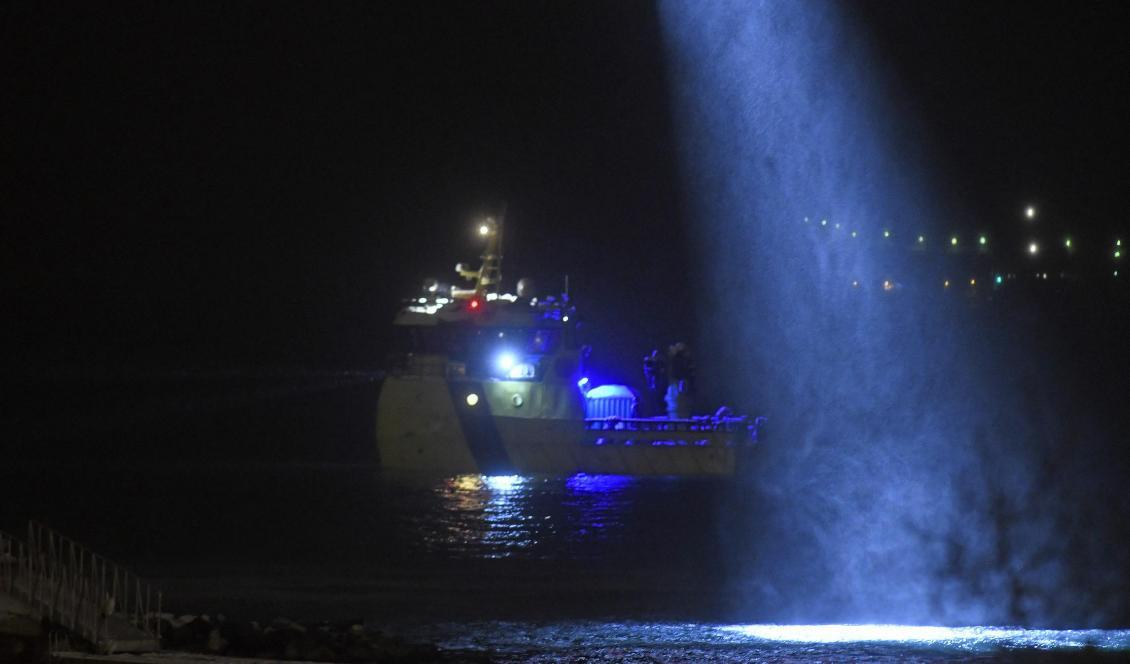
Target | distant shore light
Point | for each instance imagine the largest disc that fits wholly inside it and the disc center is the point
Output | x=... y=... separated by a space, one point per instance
x=953 y=241
x=1033 y=248
x=921 y=239
x=886 y=233
x=982 y=240
x=1030 y=212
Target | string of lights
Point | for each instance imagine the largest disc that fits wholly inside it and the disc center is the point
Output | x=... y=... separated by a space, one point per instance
x=1035 y=251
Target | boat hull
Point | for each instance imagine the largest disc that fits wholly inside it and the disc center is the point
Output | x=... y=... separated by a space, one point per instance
x=425 y=424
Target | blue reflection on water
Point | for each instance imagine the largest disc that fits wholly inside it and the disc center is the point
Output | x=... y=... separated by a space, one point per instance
x=582 y=483
x=594 y=502
x=504 y=483
x=967 y=638
x=502 y=516
x=600 y=641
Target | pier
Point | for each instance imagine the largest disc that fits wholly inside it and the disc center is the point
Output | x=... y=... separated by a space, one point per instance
x=56 y=594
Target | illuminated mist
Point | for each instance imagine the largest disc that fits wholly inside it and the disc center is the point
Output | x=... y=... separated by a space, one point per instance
x=915 y=470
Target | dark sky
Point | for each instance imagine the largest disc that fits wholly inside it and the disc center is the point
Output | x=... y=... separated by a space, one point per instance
x=238 y=184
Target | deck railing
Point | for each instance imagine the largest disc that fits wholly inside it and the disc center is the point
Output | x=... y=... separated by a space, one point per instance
x=75 y=588
x=11 y=555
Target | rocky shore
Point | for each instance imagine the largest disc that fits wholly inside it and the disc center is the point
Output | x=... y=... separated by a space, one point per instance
x=287 y=640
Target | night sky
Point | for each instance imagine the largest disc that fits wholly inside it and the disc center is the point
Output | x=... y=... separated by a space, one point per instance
x=192 y=185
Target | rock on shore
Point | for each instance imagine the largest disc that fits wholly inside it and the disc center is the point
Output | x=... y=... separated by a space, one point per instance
x=284 y=639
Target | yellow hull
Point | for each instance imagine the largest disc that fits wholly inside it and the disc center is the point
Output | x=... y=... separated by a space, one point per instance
x=425 y=424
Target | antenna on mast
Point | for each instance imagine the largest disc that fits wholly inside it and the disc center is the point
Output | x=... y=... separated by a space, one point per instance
x=490 y=272
x=488 y=276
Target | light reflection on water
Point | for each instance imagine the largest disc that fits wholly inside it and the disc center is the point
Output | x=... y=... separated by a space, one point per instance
x=969 y=638
x=599 y=641
x=501 y=516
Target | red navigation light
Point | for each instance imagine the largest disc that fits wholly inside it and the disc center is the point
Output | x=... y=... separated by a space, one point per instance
x=476 y=304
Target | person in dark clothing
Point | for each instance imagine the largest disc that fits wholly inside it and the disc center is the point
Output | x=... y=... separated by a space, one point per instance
x=655 y=379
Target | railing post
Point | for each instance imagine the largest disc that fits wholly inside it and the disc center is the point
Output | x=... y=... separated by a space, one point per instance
x=52 y=574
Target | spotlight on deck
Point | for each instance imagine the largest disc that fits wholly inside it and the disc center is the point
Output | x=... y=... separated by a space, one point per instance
x=521 y=370
x=505 y=361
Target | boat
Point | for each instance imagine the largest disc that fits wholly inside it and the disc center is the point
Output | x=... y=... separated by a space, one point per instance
x=495 y=383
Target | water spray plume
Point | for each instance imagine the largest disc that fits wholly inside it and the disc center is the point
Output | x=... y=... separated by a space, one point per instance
x=904 y=482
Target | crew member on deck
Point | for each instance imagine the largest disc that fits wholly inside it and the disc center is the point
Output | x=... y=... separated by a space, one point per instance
x=681 y=387
x=655 y=379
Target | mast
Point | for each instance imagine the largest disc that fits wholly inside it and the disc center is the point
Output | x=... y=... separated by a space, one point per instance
x=490 y=272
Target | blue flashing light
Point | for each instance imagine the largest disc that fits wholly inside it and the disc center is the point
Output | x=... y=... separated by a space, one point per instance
x=583 y=384
x=505 y=361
